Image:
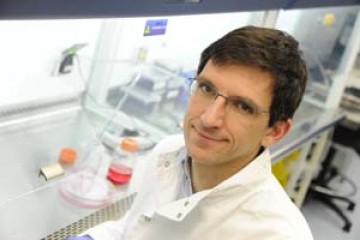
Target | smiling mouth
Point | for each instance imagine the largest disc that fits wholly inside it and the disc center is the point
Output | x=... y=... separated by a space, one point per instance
x=206 y=137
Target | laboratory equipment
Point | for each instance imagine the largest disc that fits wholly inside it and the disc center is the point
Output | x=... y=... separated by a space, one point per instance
x=29 y=207
x=67 y=156
x=120 y=171
x=51 y=171
x=323 y=35
x=155 y=99
x=67 y=59
x=88 y=187
x=110 y=155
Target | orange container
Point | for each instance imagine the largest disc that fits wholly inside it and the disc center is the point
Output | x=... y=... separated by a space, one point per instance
x=129 y=145
x=67 y=156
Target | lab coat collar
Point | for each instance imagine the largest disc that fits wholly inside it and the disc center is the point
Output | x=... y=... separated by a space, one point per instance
x=252 y=174
x=255 y=172
x=168 y=173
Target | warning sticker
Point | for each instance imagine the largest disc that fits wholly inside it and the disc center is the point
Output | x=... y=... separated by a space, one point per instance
x=155 y=27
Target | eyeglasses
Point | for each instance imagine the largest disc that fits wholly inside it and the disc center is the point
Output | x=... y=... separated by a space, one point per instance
x=207 y=92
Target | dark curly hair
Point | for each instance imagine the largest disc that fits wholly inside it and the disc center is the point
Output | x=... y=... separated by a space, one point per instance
x=268 y=49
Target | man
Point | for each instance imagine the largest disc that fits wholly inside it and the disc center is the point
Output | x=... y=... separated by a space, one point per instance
x=215 y=181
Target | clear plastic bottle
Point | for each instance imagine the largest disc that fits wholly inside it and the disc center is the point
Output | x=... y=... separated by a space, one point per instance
x=120 y=171
x=88 y=187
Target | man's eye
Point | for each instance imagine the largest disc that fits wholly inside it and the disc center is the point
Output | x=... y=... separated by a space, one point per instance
x=207 y=89
x=244 y=107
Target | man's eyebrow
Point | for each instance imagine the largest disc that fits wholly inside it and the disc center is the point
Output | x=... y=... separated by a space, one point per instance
x=243 y=99
x=203 y=79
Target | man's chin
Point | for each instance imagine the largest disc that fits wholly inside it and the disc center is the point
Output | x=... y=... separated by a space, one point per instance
x=199 y=154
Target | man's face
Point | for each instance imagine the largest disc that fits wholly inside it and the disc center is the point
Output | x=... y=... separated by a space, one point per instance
x=217 y=134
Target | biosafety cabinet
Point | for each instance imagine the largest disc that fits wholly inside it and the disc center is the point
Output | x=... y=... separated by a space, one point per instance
x=73 y=74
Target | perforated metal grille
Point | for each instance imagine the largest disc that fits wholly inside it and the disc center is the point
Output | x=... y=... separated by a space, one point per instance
x=112 y=212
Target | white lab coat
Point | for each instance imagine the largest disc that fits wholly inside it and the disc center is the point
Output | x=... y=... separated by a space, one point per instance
x=250 y=205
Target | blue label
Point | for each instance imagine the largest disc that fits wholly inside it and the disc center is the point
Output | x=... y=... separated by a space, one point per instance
x=155 y=27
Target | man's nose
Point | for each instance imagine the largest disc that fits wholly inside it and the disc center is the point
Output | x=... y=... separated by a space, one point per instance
x=214 y=113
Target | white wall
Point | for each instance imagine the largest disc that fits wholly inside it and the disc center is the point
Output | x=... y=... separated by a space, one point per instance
x=29 y=51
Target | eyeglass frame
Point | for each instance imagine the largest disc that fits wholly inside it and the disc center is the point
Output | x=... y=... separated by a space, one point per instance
x=232 y=100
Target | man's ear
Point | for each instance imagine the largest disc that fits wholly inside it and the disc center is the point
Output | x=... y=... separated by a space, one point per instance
x=276 y=132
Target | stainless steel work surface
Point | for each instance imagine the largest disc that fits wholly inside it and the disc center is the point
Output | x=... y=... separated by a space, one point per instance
x=30 y=207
